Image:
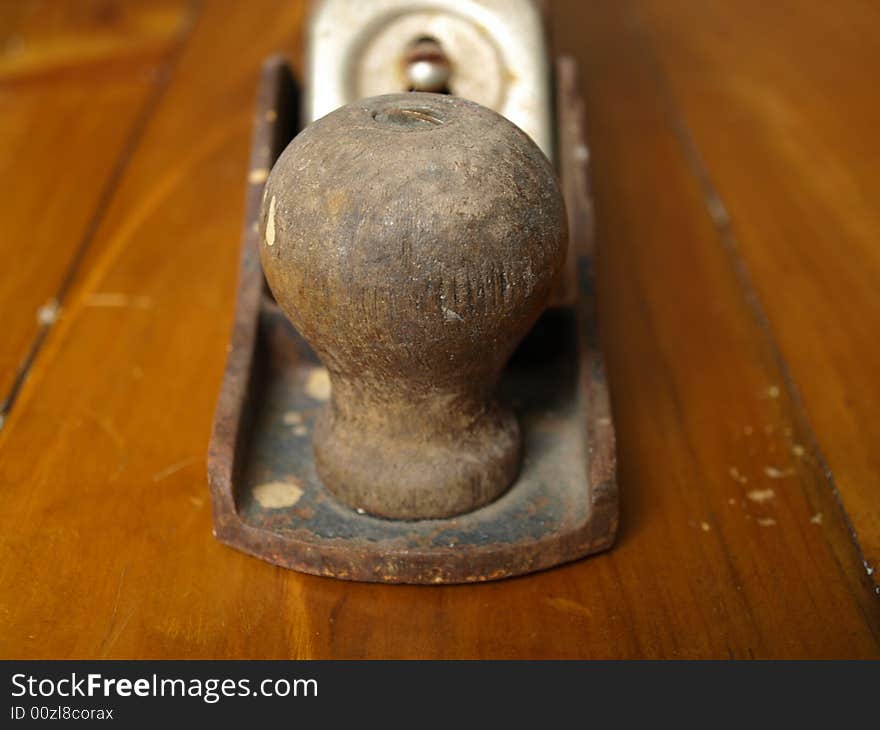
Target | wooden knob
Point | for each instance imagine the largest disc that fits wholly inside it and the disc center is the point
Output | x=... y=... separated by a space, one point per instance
x=413 y=240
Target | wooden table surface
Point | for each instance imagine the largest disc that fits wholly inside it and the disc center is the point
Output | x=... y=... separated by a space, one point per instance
x=738 y=203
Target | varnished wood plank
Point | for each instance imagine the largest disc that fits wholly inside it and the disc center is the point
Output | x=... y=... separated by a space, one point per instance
x=105 y=545
x=67 y=37
x=167 y=250
x=779 y=99
x=75 y=80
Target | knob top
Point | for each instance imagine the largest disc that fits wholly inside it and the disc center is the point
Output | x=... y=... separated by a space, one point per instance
x=425 y=223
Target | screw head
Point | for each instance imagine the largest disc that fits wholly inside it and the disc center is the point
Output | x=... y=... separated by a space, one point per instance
x=427 y=67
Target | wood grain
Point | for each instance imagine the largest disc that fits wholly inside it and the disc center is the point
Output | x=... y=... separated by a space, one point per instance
x=76 y=82
x=800 y=122
x=105 y=543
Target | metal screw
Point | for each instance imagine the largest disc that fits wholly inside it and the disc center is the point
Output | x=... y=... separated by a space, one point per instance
x=427 y=67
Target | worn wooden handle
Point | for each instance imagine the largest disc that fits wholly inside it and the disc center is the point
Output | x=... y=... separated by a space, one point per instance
x=413 y=240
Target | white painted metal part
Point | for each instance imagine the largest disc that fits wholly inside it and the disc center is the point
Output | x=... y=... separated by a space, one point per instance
x=497 y=51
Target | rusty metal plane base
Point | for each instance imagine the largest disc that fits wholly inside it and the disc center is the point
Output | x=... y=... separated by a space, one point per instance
x=267 y=498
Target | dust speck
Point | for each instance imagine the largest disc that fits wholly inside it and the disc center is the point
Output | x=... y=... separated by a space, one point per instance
x=270 y=223
x=451 y=316
x=816 y=519
x=773 y=391
x=761 y=495
x=766 y=521
x=318 y=384
x=798 y=450
x=774 y=473
x=292 y=418
x=737 y=476
x=704 y=526
x=258 y=176
x=47 y=315
x=276 y=495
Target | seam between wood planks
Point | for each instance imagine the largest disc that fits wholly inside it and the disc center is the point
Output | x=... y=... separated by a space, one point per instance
x=49 y=312
x=721 y=222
